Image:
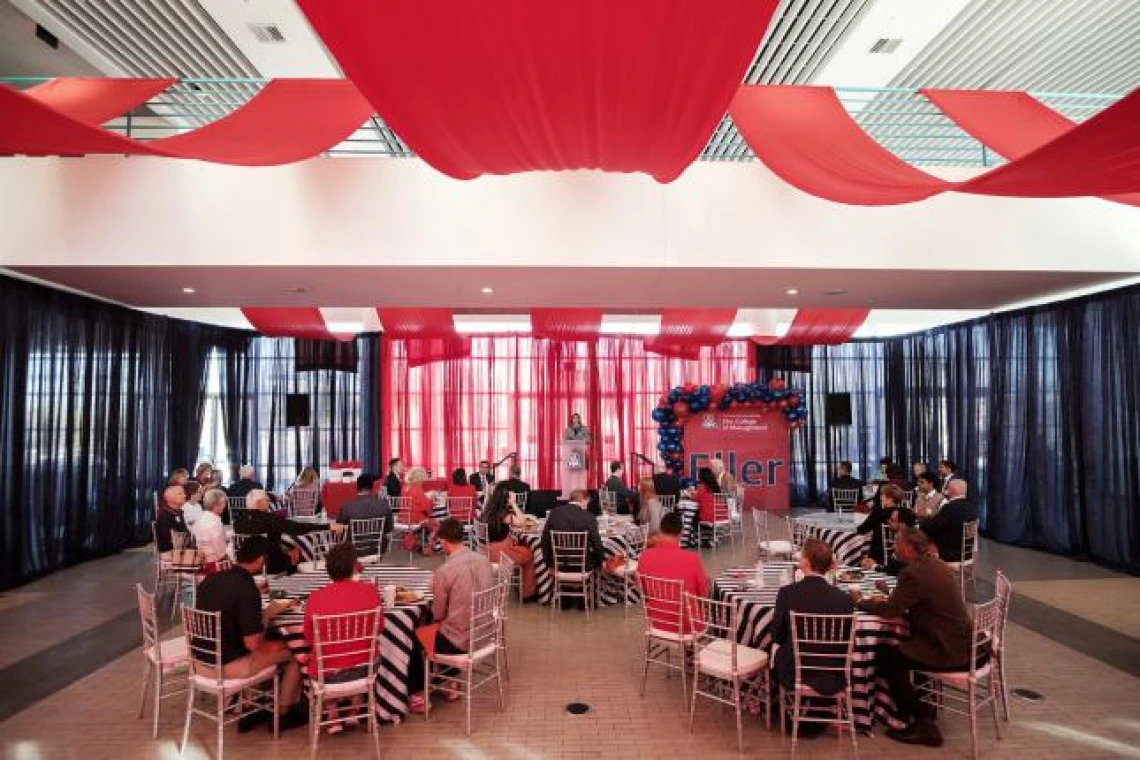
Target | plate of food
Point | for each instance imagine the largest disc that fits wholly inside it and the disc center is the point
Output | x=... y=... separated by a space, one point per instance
x=877 y=596
x=849 y=576
x=408 y=596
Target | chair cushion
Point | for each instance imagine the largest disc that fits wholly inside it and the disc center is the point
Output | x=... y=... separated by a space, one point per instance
x=346 y=689
x=674 y=636
x=777 y=547
x=230 y=685
x=716 y=660
x=464 y=660
x=174 y=653
x=575 y=577
x=961 y=677
x=370 y=559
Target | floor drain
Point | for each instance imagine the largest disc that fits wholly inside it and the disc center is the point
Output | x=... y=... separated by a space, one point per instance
x=1029 y=695
x=577 y=708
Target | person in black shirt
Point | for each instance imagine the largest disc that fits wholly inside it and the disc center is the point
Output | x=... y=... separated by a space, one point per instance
x=843 y=480
x=667 y=484
x=945 y=528
x=257 y=519
x=899 y=517
x=890 y=496
x=392 y=484
x=483 y=478
x=515 y=484
x=244 y=484
x=169 y=518
x=244 y=648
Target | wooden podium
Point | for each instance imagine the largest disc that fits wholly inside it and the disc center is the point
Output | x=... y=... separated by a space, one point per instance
x=574 y=465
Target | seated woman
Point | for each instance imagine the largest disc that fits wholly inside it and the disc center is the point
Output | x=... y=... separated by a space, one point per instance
x=500 y=514
x=650 y=512
x=307 y=482
x=461 y=489
x=890 y=496
x=422 y=538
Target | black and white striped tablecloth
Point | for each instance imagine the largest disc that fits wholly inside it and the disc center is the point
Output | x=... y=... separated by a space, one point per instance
x=610 y=587
x=689 y=511
x=838 y=532
x=396 y=642
x=869 y=694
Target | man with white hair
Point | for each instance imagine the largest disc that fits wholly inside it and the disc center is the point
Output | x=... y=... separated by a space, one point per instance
x=245 y=482
x=945 y=528
x=257 y=519
x=209 y=533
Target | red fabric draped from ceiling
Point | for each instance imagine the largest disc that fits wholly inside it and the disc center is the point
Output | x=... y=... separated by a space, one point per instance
x=516 y=393
x=1012 y=124
x=291 y=322
x=566 y=324
x=289 y=120
x=517 y=85
x=805 y=136
x=684 y=332
x=428 y=334
x=815 y=327
x=96 y=101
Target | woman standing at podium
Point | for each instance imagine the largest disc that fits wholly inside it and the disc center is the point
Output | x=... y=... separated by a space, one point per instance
x=576 y=430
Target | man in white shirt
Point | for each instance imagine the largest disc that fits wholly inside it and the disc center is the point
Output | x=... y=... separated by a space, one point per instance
x=209 y=533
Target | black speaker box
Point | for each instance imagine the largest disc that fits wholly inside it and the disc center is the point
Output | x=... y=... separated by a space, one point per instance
x=838 y=409
x=297 y=410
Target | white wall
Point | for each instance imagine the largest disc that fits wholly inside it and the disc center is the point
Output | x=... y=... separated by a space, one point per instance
x=113 y=210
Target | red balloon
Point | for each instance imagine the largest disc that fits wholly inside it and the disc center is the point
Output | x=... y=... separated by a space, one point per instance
x=776 y=383
x=681 y=409
x=793 y=401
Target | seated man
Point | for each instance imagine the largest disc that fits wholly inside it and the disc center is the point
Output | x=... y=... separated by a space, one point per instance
x=462 y=574
x=940 y=632
x=343 y=595
x=843 y=480
x=170 y=520
x=812 y=595
x=209 y=533
x=945 y=528
x=245 y=650
x=899 y=517
x=240 y=488
x=515 y=483
x=667 y=560
x=257 y=519
x=575 y=517
x=366 y=505
x=928 y=499
x=624 y=497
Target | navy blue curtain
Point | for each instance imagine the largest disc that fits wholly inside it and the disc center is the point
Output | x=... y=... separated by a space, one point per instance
x=1040 y=408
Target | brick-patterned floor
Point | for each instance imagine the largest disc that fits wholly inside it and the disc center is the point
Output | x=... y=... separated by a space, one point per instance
x=1090 y=709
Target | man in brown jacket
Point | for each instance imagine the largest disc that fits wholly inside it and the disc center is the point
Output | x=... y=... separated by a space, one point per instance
x=940 y=631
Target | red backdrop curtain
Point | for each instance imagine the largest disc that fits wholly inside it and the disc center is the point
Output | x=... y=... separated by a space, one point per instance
x=516 y=393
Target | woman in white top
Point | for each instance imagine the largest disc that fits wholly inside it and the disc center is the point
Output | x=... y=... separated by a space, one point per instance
x=209 y=533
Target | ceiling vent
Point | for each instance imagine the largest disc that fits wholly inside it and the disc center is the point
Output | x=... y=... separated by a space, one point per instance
x=886 y=45
x=267 y=33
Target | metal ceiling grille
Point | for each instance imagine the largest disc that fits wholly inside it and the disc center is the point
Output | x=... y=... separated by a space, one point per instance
x=801 y=38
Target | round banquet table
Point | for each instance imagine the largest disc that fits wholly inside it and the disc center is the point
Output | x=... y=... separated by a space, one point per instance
x=838 y=532
x=869 y=694
x=396 y=642
x=611 y=588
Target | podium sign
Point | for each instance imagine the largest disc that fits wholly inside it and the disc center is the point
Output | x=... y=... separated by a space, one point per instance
x=574 y=463
x=754 y=447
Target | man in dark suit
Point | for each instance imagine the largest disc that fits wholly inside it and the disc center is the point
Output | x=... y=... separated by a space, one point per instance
x=515 y=484
x=812 y=595
x=367 y=505
x=948 y=472
x=483 y=478
x=899 y=517
x=667 y=484
x=843 y=480
x=940 y=632
x=392 y=484
x=945 y=528
x=624 y=497
x=575 y=517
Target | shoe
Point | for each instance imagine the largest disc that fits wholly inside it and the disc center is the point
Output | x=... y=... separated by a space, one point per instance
x=293 y=719
x=922 y=733
x=247 y=723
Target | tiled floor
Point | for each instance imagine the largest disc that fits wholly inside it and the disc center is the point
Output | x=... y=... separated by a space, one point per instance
x=1091 y=707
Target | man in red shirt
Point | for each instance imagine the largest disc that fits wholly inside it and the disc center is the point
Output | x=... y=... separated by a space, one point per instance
x=667 y=560
x=342 y=596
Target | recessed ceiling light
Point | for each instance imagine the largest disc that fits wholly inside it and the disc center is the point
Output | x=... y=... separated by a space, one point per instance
x=488 y=291
x=793 y=292
x=835 y=292
x=188 y=290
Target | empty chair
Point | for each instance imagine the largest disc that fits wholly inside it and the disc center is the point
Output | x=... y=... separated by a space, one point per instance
x=735 y=517
x=462 y=508
x=636 y=537
x=798 y=532
x=320 y=541
x=367 y=536
x=889 y=539
x=668 y=504
x=506 y=576
x=966 y=692
x=823 y=646
x=607 y=500
x=843 y=500
x=965 y=566
x=338 y=638
x=256 y=692
x=767 y=546
x=724 y=670
x=479 y=665
x=165 y=663
x=665 y=629
x=303 y=502
x=572 y=576
x=720 y=525
x=401 y=519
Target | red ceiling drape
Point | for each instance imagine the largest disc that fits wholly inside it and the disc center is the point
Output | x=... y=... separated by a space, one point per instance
x=291 y=322
x=96 y=101
x=805 y=136
x=814 y=327
x=566 y=324
x=1013 y=124
x=517 y=85
x=428 y=334
x=684 y=332
x=516 y=393
x=289 y=120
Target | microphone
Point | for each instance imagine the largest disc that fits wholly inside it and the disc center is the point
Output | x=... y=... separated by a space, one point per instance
x=644 y=459
x=513 y=455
